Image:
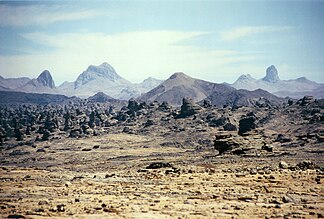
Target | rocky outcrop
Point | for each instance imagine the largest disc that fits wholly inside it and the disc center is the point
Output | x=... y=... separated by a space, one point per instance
x=247 y=123
x=188 y=108
x=271 y=75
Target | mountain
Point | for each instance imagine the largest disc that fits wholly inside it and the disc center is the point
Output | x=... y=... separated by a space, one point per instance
x=45 y=79
x=180 y=85
x=44 y=83
x=12 y=83
x=102 y=72
x=104 y=78
x=296 y=88
x=176 y=87
x=104 y=98
x=137 y=90
x=100 y=97
x=150 y=83
x=94 y=79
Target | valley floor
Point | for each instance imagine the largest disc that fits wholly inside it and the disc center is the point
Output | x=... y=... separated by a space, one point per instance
x=110 y=176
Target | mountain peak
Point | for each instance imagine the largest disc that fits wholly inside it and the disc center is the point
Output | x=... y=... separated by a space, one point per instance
x=245 y=78
x=271 y=75
x=45 y=79
x=103 y=71
x=179 y=75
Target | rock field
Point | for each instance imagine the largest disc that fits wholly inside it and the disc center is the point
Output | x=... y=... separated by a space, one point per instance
x=157 y=161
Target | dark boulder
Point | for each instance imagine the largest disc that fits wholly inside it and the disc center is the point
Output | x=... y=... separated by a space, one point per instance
x=158 y=165
x=229 y=127
x=246 y=124
x=225 y=142
x=188 y=108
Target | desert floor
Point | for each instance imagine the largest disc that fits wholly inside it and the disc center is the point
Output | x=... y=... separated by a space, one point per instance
x=107 y=177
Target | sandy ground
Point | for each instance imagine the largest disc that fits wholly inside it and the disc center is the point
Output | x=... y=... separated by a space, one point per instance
x=106 y=177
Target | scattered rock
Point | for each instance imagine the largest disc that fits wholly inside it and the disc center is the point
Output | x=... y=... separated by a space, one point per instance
x=287 y=199
x=128 y=130
x=305 y=165
x=267 y=148
x=229 y=127
x=283 y=165
x=42 y=150
x=158 y=165
x=283 y=139
x=16 y=216
x=60 y=208
x=18 y=153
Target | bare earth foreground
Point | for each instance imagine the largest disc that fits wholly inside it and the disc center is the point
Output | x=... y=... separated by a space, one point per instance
x=155 y=172
x=112 y=181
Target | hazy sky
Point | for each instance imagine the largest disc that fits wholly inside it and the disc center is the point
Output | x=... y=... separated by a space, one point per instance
x=211 y=40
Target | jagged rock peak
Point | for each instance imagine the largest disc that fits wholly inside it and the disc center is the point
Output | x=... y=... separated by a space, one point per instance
x=271 y=75
x=45 y=79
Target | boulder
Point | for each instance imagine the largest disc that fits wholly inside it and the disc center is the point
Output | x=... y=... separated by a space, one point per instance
x=225 y=142
x=229 y=127
x=246 y=124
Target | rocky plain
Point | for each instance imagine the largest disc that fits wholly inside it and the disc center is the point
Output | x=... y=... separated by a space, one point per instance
x=154 y=160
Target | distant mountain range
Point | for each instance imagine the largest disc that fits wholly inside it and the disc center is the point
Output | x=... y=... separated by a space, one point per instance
x=296 y=88
x=94 y=79
x=102 y=83
x=180 y=85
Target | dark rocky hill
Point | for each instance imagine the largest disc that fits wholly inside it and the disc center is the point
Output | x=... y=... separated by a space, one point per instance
x=12 y=97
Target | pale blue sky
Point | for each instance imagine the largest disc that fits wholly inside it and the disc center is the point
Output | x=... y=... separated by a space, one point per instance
x=211 y=40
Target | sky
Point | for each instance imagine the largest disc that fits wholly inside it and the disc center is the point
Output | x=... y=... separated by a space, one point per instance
x=207 y=39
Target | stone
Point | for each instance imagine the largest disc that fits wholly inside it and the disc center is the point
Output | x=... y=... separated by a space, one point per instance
x=41 y=150
x=287 y=199
x=188 y=108
x=60 y=208
x=18 y=153
x=224 y=143
x=217 y=122
x=149 y=122
x=158 y=165
x=128 y=130
x=283 y=165
x=306 y=164
x=46 y=135
x=267 y=148
x=207 y=103
x=282 y=139
x=246 y=124
x=133 y=106
x=75 y=133
x=16 y=216
x=306 y=100
x=229 y=127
